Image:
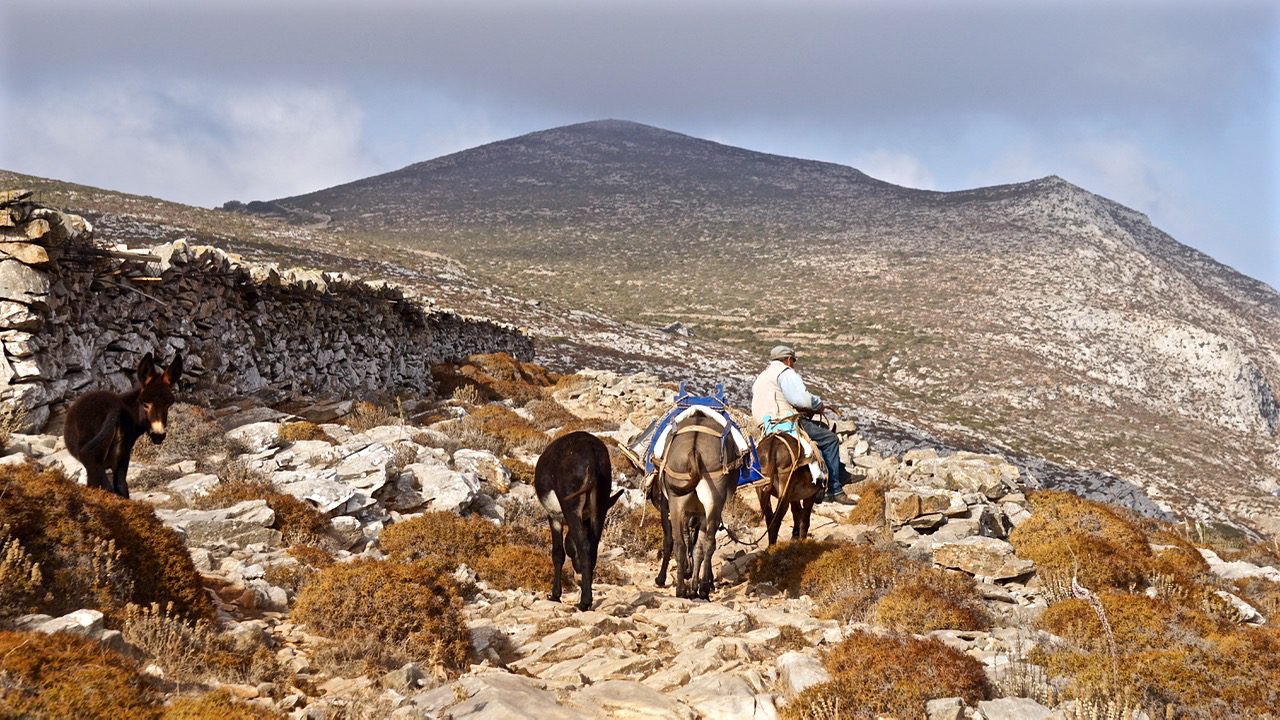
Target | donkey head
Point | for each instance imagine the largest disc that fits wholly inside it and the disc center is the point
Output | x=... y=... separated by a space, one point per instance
x=156 y=396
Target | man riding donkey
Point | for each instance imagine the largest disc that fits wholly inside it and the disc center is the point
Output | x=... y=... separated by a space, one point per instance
x=780 y=402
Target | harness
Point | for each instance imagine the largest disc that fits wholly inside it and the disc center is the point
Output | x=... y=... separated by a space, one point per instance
x=737 y=450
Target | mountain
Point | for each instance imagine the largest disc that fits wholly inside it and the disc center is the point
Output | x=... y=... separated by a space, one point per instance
x=1037 y=317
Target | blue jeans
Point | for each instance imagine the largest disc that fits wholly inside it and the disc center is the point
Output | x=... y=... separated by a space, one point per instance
x=829 y=445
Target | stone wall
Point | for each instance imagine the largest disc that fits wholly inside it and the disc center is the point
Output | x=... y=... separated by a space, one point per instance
x=75 y=315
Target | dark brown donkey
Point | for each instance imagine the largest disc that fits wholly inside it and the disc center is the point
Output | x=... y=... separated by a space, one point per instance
x=697 y=473
x=783 y=462
x=572 y=479
x=102 y=426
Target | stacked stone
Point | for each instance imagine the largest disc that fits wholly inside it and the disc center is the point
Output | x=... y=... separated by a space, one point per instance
x=73 y=317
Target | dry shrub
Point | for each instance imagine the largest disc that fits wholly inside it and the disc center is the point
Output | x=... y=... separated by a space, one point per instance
x=443 y=535
x=637 y=530
x=409 y=612
x=889 y=675
x=783 y=565
x=293 y=576
x=1165 y=654
x=1068 y=535
x=193 y=433
x=297 y=520
x=861 y=582
x=97 y=550
x=302 y=430
x=499 y=422
x=508 y=567
x=932 y=600
x=520 y=470
x=195 y=651
x=870 y=507
x=549 y=414
x=217 y=705
x=64 y=676
x=1263 y=595
x=12 y=419
x=367 y=416
x=496 y=376
x=21 y=582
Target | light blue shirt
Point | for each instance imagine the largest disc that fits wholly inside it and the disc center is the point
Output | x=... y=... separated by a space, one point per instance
x=794 y=391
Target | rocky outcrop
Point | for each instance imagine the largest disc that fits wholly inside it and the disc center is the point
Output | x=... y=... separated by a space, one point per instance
x=74 y=315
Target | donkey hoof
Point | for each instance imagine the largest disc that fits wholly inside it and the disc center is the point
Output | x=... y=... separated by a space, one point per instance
x=554 y=597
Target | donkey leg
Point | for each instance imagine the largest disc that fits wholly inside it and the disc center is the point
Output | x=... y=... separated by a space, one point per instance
x=96 y=476
x=766 y=504
x=775 y=522
x=806 y=514
x=797 y=519
x=120 y=476
x=557 y=558
x=661 y=580
x=679 y=528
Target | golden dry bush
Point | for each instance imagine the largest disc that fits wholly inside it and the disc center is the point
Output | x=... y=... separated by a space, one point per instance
x=784 y=565
x=496 y=428
x=870 y=507
x=874 y=676
x=931 y=601
x=410 y=612
x=1165 y=654
x=549 y=414
x=442 y=535
x=302 y=430
x=508 y=567
x=217 y=705
x=366 y=416
x=21 y=582
x=496 y=376
x=97 y=550
x=64 y=676
x=847 y=581
x=1067 y=535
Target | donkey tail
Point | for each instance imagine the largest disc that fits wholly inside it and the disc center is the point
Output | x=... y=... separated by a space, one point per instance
x=106 y=431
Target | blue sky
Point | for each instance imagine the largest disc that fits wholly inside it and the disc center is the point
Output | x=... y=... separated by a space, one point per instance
x=1172 y=108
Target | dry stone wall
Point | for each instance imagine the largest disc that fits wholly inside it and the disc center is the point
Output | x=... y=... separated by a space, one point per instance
x=74 y=315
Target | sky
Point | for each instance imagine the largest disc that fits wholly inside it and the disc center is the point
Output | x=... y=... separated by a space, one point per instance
x=1170 y=107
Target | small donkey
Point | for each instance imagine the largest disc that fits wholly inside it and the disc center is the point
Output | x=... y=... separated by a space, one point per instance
x=102 y=426
x=572 y=479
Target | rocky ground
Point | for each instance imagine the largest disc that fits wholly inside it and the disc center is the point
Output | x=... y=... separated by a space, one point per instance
x=639 y=652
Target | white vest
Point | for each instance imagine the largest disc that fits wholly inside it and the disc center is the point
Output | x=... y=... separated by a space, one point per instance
x=766 y=395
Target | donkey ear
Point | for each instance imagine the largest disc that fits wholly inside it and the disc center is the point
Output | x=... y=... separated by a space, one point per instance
x=146 y=368
x=174 y=371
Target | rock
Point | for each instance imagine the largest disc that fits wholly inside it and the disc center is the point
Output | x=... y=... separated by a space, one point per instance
x=257 y=436
x=503 y=696
x=798 y=671
x=319 y=487
x=26 y=253
x=241 y=524
x=630 y=700
x=728 y=697
x=484 y=465
x=1012 y=708
x=1246 y=612
x=1238 y=570
x=19 y=283
x=85 y=623
x=951 y=708
x=405 y=680
x=444 y=489
x=982 y=556
x=192 y=486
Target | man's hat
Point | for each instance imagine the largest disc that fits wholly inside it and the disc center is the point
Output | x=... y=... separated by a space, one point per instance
x=781 y=352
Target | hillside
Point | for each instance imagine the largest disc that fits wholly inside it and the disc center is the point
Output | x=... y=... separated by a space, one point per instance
x=1037 y=317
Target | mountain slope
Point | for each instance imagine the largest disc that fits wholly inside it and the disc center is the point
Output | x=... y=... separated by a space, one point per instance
x=1034 y=315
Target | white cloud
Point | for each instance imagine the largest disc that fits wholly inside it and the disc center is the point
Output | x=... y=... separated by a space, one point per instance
x=191 y=142
x=896 y=167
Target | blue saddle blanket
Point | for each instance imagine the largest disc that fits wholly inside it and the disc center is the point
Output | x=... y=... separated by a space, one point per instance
x=652 y=442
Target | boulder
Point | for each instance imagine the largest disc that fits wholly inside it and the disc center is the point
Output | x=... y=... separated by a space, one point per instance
x=798 y=671
x=442 y=488
x=727 y=696
x=1012 y=708
x=630 y=700
x=982 y=556
x=241 y=524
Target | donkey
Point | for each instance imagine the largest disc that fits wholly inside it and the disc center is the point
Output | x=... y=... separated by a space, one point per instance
x=101 y=426
x=697 y=478
x=783 y=462
x=572 y=480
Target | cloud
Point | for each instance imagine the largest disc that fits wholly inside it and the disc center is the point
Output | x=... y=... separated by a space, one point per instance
x=193 y=142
